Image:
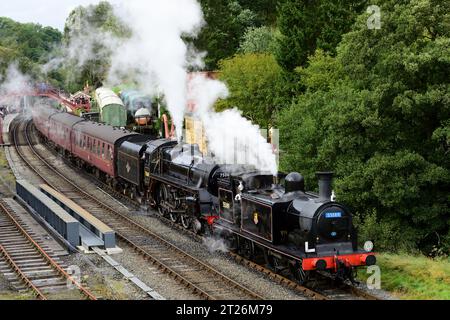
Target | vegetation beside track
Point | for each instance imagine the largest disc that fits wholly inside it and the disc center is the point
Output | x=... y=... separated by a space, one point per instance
x=7 y=295
x=413 y=276
x=7 y=179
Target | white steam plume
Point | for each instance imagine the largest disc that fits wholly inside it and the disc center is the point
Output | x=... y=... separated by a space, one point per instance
x=215 y=244
x=14 y=81
x=13 y=85
x=231 y=137
x=157 y=58
x=156 y=50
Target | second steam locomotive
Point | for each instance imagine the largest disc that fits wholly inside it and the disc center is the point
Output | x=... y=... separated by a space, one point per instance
x=282 y=225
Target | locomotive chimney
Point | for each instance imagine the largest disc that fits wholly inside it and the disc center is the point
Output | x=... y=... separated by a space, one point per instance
x=325 y=179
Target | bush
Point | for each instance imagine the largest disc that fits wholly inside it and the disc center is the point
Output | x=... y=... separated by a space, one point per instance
x=258 y=40
x=253 y=80
x=386 y=235
x=378 y=116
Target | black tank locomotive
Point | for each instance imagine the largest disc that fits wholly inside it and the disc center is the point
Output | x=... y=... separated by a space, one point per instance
x=287 y=226
x=291 y=228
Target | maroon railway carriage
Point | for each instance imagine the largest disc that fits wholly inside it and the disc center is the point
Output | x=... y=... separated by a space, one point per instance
x=93 y=143
x=41 y=115
x=60 y=129
x=97 y=145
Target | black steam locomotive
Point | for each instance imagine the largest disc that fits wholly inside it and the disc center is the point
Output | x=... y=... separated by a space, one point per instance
x=283 y=225
x=278 y=223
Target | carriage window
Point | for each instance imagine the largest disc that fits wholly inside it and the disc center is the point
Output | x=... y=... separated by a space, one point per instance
x=103 y=150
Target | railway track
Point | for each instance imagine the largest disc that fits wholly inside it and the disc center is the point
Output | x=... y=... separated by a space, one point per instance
x=203 y=280
x=344 y=291
x=28 y=265
x=322 y=289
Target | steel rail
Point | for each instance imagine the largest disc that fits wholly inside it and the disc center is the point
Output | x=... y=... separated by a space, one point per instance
x=54 y=265
x=196 y=289
x=280 y=279
x=40 y=295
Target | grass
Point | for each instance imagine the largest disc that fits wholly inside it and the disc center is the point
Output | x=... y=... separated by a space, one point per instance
x=7 y=176
x=414 y=277
x=16 y=296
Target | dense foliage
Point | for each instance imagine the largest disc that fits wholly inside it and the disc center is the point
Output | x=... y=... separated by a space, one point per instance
x=306 y=25
x=27 y=44
x=226 y=22
x=378 y=115
x=373 y=105
x=87 y=59
x=252 y=80
x=258 y=40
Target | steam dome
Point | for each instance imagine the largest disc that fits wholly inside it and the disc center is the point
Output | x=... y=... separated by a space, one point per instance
x=141 y=113
x=142 y=116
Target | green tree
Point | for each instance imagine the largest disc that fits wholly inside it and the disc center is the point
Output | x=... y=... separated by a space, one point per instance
x=306 y=25
x=265 y=9
x=253 y=80
x=29 y=44
x=85 y=30
x=258 y=40
x=226 y=22
x=378 y=115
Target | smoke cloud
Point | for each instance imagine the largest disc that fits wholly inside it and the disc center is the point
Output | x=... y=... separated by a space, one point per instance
x=156 y=49
x=157 y=58
x=12 y=85
x=231 y=137
x=215 y=244
x=14 y=81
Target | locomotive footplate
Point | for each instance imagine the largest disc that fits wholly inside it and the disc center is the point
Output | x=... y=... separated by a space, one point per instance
x=337 y=261
x=286 y=251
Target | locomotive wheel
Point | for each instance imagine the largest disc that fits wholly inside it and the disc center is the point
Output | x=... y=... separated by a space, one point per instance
x=186 y=221
x=161 y=197
x=245 y=248
x=274 y=263
x=298 y=273
x=173 y=217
